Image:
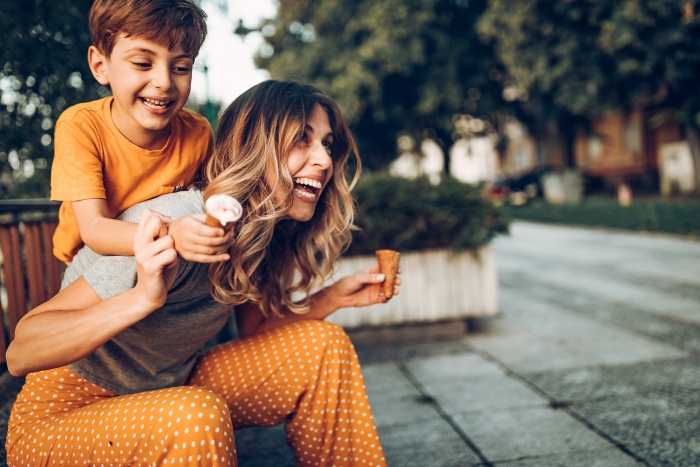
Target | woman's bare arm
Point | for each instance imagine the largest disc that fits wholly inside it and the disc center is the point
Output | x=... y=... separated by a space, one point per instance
x=69 y=327
x=356 y=290
x=76 y=321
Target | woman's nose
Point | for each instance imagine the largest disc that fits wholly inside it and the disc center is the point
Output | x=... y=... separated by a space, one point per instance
x=320 y=155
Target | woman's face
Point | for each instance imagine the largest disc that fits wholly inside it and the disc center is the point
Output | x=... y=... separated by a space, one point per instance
x=311 y=165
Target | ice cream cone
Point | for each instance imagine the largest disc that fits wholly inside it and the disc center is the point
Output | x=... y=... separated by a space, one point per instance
x=222 y=211
x=389 y=266
x=212 y=221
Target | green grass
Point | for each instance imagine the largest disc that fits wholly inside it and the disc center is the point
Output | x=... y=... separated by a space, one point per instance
x=677 y=216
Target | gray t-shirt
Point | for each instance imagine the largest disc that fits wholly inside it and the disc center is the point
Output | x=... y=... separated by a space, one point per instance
x=160 y=350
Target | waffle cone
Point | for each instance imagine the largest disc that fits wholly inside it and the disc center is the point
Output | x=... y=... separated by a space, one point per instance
x=389 y=266
x=212 y=221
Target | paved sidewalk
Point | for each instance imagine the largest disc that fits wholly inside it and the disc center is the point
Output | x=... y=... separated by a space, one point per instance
x=594 y=360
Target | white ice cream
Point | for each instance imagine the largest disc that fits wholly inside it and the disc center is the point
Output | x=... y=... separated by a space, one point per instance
x=224 y=207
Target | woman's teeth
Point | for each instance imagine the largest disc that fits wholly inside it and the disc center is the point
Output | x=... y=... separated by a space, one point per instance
x=305 y=194
x=309 y=182
x=307 y=187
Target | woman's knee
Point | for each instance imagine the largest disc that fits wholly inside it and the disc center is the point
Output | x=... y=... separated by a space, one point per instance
x=323 y=331
x=195 y=420
x=323 y=339
x=190 y=414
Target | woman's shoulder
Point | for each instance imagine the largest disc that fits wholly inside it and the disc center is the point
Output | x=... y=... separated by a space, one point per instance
x=174 y=205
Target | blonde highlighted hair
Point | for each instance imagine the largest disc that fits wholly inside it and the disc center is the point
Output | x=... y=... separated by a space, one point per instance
x=170 y=23
x=275 y=260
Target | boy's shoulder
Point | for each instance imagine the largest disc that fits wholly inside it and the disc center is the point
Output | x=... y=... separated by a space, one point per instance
x=92 y=110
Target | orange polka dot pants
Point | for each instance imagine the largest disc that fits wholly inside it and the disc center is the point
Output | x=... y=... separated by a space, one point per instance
x=306 y=375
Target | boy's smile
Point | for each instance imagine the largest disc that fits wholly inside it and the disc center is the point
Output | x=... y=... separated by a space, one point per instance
x=150 y=84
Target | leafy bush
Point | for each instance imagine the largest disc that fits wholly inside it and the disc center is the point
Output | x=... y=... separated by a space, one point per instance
x=410 y=215
x=674 y=216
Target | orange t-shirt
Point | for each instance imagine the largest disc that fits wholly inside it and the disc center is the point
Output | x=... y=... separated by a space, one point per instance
x=93 y=160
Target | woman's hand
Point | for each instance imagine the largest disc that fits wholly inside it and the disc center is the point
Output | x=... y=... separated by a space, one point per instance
x=156 y=258
x=362 y=288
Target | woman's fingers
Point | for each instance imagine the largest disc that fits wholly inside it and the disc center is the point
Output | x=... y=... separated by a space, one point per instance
x=153 y=248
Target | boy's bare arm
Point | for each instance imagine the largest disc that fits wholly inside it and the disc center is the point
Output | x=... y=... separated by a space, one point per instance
x=100 y=232
x=196 y=241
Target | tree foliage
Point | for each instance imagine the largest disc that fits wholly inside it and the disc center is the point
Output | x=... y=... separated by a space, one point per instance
x=394 y=66
x=412 y=65
x=44 y=71
x=583 y=57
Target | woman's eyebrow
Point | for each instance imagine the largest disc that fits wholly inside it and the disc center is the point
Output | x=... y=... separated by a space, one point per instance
x=309 y=128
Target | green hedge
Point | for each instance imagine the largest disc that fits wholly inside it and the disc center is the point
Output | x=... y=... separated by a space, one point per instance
x=411 y=215
x=680 y=216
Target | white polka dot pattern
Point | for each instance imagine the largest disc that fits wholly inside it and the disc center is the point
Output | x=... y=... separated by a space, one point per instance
x=306 y=375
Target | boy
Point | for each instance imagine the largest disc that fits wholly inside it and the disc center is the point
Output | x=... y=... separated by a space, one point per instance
x=138 y=143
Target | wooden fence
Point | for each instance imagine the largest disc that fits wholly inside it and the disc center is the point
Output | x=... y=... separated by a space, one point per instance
x=29 y=273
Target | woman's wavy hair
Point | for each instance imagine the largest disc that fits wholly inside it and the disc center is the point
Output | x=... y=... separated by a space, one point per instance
x=277 y=262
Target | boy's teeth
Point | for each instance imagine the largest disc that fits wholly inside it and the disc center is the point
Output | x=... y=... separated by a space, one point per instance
x=155 y=104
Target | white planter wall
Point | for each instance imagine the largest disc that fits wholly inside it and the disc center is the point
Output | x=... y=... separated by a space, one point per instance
x=436 y=285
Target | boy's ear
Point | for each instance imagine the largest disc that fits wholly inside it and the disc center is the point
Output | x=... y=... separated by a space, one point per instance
x=97 y=63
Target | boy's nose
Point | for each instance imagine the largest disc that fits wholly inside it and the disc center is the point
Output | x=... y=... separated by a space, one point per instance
x=161 y=78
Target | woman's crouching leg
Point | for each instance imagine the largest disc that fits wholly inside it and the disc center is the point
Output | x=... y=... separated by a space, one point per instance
x=81 y=424
x=333 y=422
x=307 y=375
x=194 y=428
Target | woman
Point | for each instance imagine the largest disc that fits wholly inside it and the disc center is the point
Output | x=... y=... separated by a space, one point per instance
x=116 y=375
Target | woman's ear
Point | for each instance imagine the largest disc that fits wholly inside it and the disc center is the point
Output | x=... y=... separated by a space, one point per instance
x=98 y=64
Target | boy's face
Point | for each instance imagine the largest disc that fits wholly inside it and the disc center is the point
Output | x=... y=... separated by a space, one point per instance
x=150 y=84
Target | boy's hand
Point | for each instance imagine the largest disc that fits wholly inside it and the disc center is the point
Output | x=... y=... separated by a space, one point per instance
x=196 y=241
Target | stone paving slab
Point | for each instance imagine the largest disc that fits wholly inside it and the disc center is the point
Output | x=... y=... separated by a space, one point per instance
x=521 y=349
x=547 y=331
x=427 y=443
x=606 y=457
x=681 y=452
x=263 y=447
x=526 y=432
x=483 y=393
x=676 y=378
x=645 y=300
x=382 y=377
x=658 y=326
x=451 y=367
x=642 y=419
x=401 y=404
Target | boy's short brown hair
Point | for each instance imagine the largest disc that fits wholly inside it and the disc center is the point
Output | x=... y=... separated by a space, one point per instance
x=170 y=23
